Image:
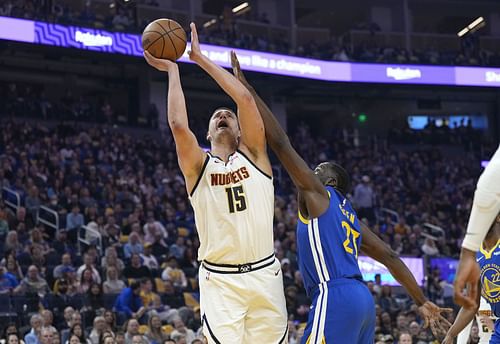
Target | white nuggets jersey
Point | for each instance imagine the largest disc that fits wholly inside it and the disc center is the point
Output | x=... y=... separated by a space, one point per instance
x=233 y=205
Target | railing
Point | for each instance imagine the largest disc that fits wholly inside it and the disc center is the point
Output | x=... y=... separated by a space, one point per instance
x=384 y=212
x=89 y=236
x=433 y=231
x=48 y=217
x=11 y=198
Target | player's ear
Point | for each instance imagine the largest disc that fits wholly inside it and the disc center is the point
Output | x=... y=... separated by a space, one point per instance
x=209 y=138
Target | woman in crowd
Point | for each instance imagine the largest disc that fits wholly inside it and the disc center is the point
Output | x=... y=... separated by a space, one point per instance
x=86 y=280
x=112 y=285
x=155 y=333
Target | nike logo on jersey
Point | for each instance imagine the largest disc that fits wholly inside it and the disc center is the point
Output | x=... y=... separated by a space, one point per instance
x=277 y=272
x=496 y=253
x=477 y=260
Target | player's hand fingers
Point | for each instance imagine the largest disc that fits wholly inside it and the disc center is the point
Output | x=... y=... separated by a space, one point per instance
x=446 y=310
x=426 y=322
x=150 y=59
x=234 y=62
x=445 y=321
x=194 y=33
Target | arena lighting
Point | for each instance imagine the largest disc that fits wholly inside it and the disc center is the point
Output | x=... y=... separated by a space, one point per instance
x=210 y=23
x=35 y=32
x=476 y=24
x=240 y=7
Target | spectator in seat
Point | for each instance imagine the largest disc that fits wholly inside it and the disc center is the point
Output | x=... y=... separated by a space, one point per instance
x=180 y=330
x=132 y=329
x=134 y=246
x=65 y=263
x=129 y=302
x=8 y=282
x=155 y=333
x=33 y=335
x=136 y=270
x=89 y=263
x=86 y=281
x=110 y=318
x=75 y=325
x=111 y=259
x=163 y=311
x=174 y=274
x=93 y=303
x=47 y=335
x=148 y=259
x=74 y=220
x=364 y=199
x=48 y=319
x=97 y=330
x=12 y=243
x=33 y=283
x=112 y=285
x=77 y=330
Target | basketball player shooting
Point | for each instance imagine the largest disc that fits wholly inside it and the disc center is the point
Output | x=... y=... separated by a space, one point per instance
x=485 y=207
x=232 y=194
x=329 y=236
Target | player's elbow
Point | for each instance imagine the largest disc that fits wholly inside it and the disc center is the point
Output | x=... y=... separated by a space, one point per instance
x=279 y=144
x=177 y=125
x=245 y=99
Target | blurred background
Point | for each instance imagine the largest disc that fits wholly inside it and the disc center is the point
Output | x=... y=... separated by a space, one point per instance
x=405 y=94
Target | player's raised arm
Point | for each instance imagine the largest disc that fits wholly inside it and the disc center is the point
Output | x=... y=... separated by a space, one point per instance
x=310 y=187
x=252 y=128
x=189 y=153
x=372 y=246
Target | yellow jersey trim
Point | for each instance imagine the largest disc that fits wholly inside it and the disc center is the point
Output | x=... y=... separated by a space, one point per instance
x=487 y=254
x=303 y=219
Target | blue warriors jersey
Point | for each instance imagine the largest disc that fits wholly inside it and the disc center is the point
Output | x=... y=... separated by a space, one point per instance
x=328 y=246
x=489 y=262
x=342 y=309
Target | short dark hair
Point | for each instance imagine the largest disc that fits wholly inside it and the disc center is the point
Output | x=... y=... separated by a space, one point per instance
x=135 y=285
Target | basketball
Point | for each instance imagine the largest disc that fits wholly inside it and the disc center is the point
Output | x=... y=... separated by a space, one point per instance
x=165 y=39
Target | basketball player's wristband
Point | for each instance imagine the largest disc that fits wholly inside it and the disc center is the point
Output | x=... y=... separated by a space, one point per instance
x=485 y=206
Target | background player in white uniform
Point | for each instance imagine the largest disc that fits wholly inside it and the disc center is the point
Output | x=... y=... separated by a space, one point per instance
x=463 y=325
x=231 y=191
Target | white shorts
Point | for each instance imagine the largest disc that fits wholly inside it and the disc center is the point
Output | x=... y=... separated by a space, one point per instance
x=247 y=307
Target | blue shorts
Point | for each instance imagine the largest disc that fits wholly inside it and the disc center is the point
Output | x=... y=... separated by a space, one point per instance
x=342 y=312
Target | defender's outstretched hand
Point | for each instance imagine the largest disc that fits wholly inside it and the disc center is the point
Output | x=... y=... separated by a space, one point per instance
x=195 y=52
x=467 y=277
x=431 y=314
x=237 y=70
x=163 y=65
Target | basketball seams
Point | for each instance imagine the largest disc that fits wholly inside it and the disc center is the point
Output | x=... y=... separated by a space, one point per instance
x=167 y=33
x=153 y=42
x=181 y=38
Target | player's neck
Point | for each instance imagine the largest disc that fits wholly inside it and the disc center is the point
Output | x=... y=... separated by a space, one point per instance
x=223 y=151
x=492 y=238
